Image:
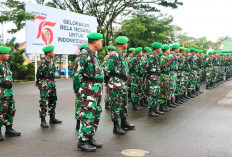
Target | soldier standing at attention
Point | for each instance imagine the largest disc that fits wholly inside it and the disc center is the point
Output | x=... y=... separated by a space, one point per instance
x=77 y=105
x=45 y=82
x=137 y=79
x=117 y=71
x=87 y=86
x=128 y=59
x=107 y=99
x=7 y=105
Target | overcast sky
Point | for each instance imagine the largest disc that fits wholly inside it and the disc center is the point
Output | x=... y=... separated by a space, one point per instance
x=197 y=18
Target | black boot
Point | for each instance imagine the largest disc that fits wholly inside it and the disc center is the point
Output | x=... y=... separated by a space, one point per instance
x=10 y=132
x=1 y=137
x=53 y=120
x=173 y=102
x=78 y=125
x=165 y=106
x=145 y=102
x=186 y=96
x=162 y=108
x=170 y=105
x=85 y=146
x=178 y=100
x=157 y=111
x=151 y=113
x=94 y=143
x=182 y=98
x=117 y=130
x=136 y=107
x=192 y=95
x=44 y=124
x=207 y=86
x=107 y=105
x=126 y=125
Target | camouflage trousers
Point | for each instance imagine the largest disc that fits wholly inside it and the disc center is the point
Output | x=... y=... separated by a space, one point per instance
x=7 y=107
x=214 y=74
x=89 y=115
x=180 y=83
x=186 y=80
x=153 y=91
x=172 y=84
x=119 y=100
x=107 y=98
x=198 y=78
x=209 y=79
x=47 y=101
x=136 y=88
x=192 y=80
x=164 y=88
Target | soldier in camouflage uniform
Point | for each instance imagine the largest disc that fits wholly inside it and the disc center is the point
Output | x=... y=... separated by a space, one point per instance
x=164 y=78
x=137 y=79
x=87 y=86
x=173 y=73
x=7 y=105
x=77 y=105
x=46 y=84
x=107 y=98
x=186 y=68
x=153 y=79
x=128 y=59
x=198 y=70
x=209 y=69
x=117 y=71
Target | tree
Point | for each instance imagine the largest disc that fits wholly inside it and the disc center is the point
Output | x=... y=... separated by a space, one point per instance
x=143 y=30
x=106 y=11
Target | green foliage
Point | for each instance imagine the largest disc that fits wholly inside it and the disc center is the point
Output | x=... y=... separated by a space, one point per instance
x=143 y=30
x=30 y=77
x=30 y=69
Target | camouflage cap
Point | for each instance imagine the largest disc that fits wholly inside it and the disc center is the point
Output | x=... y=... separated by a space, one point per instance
x=4 y=49
x=148 y=49
x=121 y=40
x=138 y=49
x=95 y=36
x=156 y=45
x=48 y=48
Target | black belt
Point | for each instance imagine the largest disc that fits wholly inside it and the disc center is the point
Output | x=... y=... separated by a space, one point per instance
x=124 y=78
x=6 y=86
x=165 y=72
x=94 y=80
x=154 y=73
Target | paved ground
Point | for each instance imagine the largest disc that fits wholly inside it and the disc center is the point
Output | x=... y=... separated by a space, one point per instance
x=200 y=127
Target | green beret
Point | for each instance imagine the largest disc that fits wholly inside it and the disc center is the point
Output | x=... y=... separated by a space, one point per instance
x=165 y=47
x=192 y=50
x=4 y=49
x=206 y=55
x=95 y=36
x=83 y=46
x=125 y=51
x=187 y=50
x=182 y=48
x=132 y=49
x=148 y=49
x=121 y=40
x=175 y=46
x=48 y=48
x=210 y=52
x=156 y=45
x=201 y=51
x=161 y=53
x=138 y=49
x=110 y=47
x=215 y=51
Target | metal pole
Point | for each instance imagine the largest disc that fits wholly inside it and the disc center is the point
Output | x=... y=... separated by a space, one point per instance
x=36 y=65
x=66 y=66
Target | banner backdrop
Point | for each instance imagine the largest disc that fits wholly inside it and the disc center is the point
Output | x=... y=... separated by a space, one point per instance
x=65 y=30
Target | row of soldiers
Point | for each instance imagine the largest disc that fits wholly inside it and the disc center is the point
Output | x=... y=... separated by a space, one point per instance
x=162 y=77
